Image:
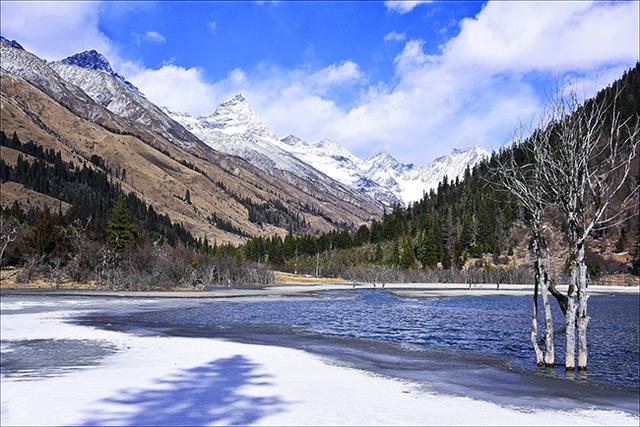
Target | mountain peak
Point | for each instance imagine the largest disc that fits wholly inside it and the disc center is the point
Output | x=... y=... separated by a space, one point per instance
x=381 y=157
x=238 y=97
x=475 y=150
x=91 y=59
x=292 y=140
x=236 y=116
x=12 y=43
x=238 y=104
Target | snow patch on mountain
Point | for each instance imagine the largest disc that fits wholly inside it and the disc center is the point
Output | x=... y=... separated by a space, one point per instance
x=94 y=60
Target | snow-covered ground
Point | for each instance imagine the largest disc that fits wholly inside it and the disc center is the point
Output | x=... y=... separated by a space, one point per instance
x=162 y=380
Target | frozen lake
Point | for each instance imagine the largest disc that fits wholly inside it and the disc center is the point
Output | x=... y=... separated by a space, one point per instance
x=481 y=326
x=460 y=346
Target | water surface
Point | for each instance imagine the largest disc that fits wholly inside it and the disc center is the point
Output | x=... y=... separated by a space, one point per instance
x=488 y=325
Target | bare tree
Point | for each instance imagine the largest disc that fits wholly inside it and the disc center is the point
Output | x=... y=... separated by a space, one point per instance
x=585 y=163
x=8 y=234
x=522 y=180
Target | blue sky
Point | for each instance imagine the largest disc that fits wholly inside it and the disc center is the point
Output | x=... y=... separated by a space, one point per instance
x=289 y=34
x=414 y=79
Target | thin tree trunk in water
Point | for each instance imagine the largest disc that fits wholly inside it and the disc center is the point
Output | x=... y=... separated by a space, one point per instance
x=570 y=317
x=534 y=329
x=549 y=355
x=583 y=318
x=534 y=318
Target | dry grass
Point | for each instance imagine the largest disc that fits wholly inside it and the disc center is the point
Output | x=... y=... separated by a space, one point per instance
x=617 y=280
x=11 y=192
x=290 y=278
x=8 y=281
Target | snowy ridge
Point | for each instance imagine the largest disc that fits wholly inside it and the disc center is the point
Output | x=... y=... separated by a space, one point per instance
x=410 y=182
x=94 y=60
x=36 y=71
x=234 y=128
x=91 y=72
x=12 y=43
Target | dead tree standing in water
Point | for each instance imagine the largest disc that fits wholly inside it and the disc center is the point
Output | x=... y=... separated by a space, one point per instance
x=522 y=180
x=585 y=163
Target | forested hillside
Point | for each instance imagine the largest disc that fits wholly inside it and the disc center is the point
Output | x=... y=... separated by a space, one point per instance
x=463 y=219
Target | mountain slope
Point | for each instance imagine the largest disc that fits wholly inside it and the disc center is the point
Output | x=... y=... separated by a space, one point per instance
x=38 y=104
x=91 y=72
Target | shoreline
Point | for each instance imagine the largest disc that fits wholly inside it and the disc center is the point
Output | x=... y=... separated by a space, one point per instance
x=406 y=290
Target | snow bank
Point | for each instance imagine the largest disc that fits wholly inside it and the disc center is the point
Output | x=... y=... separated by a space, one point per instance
x=158 y=380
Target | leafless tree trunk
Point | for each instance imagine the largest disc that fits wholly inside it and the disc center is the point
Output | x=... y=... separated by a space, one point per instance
x=8 y=234
x=549 y=355
x=583 y=318
x=523 y=182
x=585 y=163
x=534 y=318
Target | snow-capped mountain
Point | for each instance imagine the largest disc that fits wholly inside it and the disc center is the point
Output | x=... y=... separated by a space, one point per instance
x=340 y=164
x=91 y=72
x=14 y=44
x=94 y=60
x=36 y=71
x=235 y=129
x=381 y=176
x=409 y=182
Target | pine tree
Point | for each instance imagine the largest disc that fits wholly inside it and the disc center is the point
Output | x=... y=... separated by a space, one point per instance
x=394 y=256
x=187 y=197
x=407 y=257
x=120 y=231
x=427 y=249
x=377 y=257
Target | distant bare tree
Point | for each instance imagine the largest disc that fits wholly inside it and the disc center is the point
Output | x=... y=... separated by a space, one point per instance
x=585 y=164
x=8 y=234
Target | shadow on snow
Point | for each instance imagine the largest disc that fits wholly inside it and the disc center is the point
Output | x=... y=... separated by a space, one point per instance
x=198 y=396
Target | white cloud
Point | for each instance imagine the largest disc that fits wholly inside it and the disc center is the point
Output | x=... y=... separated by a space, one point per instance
x=402 y=6
x=553 y=36
x=411 y=57
x=474 y=89
x=181 y=89
x=54 y=30
x=478 y=87
x=155 y=36
x=336 y=74
x=395 y=36
x=212 y=25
